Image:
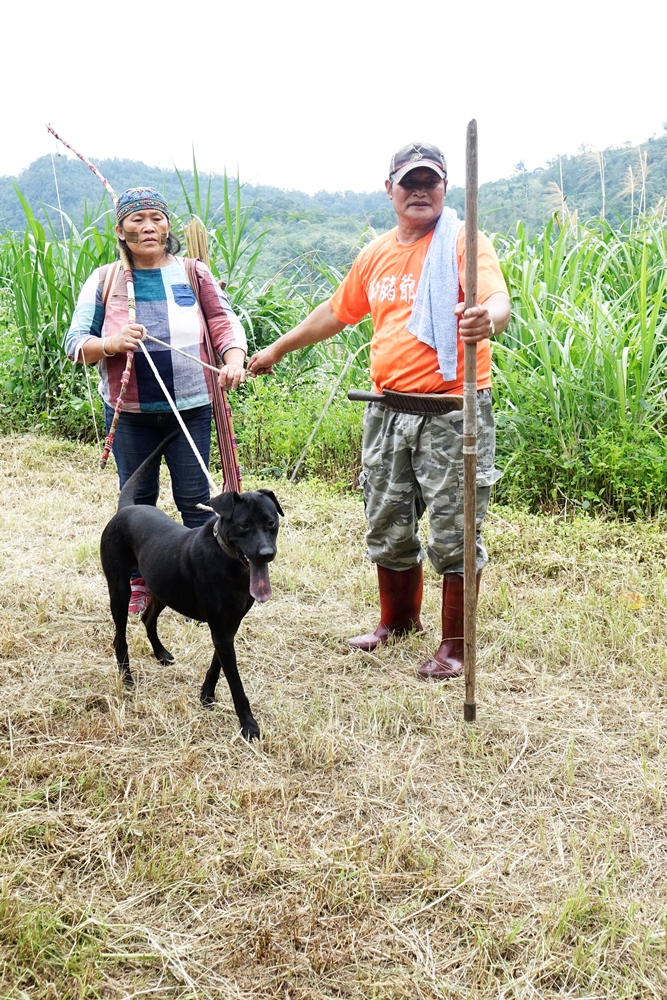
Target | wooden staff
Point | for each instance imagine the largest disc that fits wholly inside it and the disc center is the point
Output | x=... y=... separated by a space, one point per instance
x=470 y=438
x=196 y=244
x=131 y=304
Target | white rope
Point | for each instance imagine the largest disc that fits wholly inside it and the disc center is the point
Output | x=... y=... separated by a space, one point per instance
x=71 y=283
x=172 y=404
x=184 y=354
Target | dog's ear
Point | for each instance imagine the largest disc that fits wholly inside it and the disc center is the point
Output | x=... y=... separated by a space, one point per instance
x=223 y=504
x=271 y=495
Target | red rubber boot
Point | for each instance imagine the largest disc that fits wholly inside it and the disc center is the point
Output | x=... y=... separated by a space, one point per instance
x=447 y=661
x=400 y=604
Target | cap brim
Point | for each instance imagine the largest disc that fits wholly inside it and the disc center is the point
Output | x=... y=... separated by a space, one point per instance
x=398 y=175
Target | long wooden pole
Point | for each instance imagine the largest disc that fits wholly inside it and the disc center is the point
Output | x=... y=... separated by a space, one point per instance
x=470 y=438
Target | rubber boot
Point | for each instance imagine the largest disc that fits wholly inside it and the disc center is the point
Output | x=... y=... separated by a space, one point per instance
x=400 y=604
x=447 y=661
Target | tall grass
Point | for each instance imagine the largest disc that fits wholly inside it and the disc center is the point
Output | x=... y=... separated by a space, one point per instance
x=580 y=373
x=41 y=275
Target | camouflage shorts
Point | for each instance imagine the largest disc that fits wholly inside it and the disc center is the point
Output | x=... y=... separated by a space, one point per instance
x=412 y=463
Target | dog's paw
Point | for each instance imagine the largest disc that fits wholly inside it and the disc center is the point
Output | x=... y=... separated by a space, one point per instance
x=250 y=731
x=127 y=680
x=207 y=700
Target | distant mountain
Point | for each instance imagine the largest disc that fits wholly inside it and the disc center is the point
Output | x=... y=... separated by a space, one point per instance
x=615 y=183
x=331 y=223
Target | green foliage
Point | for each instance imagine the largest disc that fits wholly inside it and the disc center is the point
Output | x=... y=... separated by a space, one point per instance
x=580 y=373
x=328 y=223
x=41 y=276
x=234 y=240
x=579 y=376
x=273 y=421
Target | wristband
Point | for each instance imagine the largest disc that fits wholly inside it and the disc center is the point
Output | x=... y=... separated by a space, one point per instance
x=104 y=349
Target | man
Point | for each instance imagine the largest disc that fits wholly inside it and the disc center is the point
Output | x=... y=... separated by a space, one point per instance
x=413 y=461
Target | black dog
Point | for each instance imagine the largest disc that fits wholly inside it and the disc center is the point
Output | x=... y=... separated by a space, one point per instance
x=212 y=574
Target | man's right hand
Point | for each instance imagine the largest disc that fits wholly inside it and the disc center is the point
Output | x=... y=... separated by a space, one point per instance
x=263 y=361
x=320 y=324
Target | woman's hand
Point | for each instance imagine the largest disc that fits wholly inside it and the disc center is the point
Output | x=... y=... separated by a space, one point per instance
x=127 y=339
x=232 y=373
x=231 y=376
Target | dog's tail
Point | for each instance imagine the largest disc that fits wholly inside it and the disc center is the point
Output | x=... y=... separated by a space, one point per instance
x=128 y=493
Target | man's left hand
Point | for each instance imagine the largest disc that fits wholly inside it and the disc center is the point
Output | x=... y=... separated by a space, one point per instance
x=474 y=323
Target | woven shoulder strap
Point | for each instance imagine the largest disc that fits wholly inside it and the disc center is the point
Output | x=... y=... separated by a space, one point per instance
x=222 y=411
x=110 y=279
x=190 y=268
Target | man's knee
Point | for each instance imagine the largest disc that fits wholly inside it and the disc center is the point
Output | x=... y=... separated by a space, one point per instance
x=446 y=554
x=393 y=549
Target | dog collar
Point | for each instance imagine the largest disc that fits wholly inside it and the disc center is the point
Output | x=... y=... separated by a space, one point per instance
x=226 y=548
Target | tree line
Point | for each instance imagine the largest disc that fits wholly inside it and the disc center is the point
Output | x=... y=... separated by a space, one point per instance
x=617 y=184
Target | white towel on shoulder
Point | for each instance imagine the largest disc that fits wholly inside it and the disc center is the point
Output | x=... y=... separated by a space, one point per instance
x=433 y=321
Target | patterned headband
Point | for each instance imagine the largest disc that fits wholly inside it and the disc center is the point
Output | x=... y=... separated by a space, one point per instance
x=138 y=200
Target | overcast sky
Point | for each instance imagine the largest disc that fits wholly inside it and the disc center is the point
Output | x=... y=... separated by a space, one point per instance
x=315 y=96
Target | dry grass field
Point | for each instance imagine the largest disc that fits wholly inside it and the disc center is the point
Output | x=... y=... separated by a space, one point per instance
x=372 y=845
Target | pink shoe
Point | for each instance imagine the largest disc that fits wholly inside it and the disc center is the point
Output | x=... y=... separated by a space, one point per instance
x=140 y=598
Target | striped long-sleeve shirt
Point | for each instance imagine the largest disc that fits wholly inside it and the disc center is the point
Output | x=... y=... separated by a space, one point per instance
x=166 y=305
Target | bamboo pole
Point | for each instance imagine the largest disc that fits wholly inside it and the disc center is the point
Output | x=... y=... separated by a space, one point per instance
x=470 y=438
x=127 y=273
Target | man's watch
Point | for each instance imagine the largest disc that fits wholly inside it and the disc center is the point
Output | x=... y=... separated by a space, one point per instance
x=492 y=331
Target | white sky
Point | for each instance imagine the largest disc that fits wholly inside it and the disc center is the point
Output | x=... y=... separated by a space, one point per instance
x=314 y=96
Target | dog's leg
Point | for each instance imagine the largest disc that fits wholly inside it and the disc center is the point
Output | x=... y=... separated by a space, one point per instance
x=149 y=618
x=119 y=598
x=225 y=656
x=207 y=694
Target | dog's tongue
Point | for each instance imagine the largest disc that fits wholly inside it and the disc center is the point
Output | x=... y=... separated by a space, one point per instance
x=260 y=585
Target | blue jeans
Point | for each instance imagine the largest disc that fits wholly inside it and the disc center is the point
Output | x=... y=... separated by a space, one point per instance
x=139 y=434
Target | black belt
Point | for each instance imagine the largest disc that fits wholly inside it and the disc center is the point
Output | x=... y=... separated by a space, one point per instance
x=410 y=402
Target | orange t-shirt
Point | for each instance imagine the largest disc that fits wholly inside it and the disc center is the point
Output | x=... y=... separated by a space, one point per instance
x=383 y=282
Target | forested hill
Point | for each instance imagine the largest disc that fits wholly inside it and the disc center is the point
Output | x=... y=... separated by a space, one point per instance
x=616 y=183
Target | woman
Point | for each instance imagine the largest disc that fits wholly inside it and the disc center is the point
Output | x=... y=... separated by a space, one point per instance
x=167 y=308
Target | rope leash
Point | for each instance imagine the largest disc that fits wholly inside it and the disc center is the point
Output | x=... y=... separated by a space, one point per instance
x=178 y=416
x=183 y=354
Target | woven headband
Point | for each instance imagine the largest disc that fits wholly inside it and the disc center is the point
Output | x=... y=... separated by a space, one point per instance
x=138 y=200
